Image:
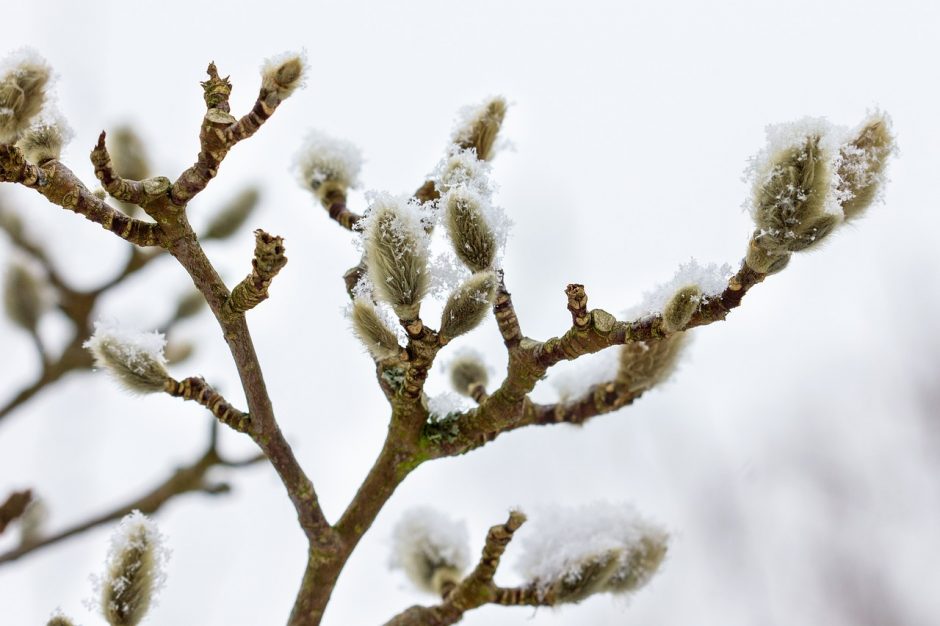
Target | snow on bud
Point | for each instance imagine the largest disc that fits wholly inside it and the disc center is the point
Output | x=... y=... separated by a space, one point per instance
x=328 y=166
x=479 y=125
x=233 y=215
x=60 y=619
x=25 y=77
x=862 y=163
x=645 y=364
x=282 y=74
x=44 y=141
x=134 y=359
x=469 y=231
x=765 y=261
x=430 y=548
x=374 y=333
x=678 y=311
x=468 y=372
x=468 y=305
x=23 y=297
x=572 y=553
x=396 y=246
x=462 y=167
x=134 y=571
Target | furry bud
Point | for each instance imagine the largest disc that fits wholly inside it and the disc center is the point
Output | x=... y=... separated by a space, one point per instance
x=228 y=220
x=645 y=364
x=60 y=619
x=22 y=93
x=468 y=305
x=328 y=166
x=189 y=305
x=431 y=549
x=179 y=351
x=467 y=372
x=134 y=359
x=134 y=571
x=397 y=255
x=678 y=311
x=44 y=141
x=22 y=297
x=282 y=74
x=472 y=237
x=765 y=261
x=862 y=164
x=380 y=340
x=480 y=126
x=128 y=155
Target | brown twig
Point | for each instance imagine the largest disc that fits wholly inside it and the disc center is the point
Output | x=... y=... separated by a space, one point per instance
x=13 y=507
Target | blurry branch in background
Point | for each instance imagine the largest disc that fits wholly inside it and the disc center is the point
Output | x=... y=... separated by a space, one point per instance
x=810 y=179
x=14 y=507
x=191 y=478
x=34 y=285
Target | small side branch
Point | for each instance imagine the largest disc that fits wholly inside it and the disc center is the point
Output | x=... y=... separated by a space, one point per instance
x=61 y=187
x=198 y=390
x=505 y=315
x=131 y=191
x=268 y=260
x=335 y=204
x=13 y=507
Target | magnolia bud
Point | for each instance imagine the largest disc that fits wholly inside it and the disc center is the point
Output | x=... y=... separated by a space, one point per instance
x=328 y=166
x=645 y=364
x=467 y=372
x=862 y=164
x=472 y=237
x=22 y=93
x=134 y=359
x=282 y=74
x=468 y=305
x=134 y=571
x=397 y=255
x=23 y=297
x=44 y=141
x=60 y=619
x=128 y=155
x=480 y=126
x=380 y=340
x=431 y=549
x=679 y=309
x=232 y=216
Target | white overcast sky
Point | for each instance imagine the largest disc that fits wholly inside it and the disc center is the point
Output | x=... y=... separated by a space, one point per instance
x=794 y=454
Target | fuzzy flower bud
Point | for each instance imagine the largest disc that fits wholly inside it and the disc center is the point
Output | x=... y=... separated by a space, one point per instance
x=679 y=309
x=128 y=155
x=396 y=246
x=380 y=340
x=23 y=83
x=23 y=297
x=60 y=619
x=44 y=141
x=645 y=364
x=479 y=125
x=468 y=305
x=862 y=164
x=282 y=74
x=232 y=216
x=134 y=359
x=467 y=372
x=431 y=549
x=328 y=166
x=134 y=571
x=472 y=237
x=604 y=548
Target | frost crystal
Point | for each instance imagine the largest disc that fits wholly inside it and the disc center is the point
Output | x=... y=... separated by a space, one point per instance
x=134 y=358
x=447 y=403
x=425 y=542
x=589 y=549
x=462 y=167
x=711 y=280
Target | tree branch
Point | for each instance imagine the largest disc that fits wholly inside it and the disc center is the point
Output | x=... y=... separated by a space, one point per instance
x=267 y=262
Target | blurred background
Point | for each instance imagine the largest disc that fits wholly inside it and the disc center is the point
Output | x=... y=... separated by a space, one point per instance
x=794 y=456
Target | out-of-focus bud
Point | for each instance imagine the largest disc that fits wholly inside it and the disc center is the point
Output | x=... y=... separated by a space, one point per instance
x=282 y=74
x=380 y=340
x=645 y=364
x=679 y=309
x=862 y=164
x=468 y=305
x=179 y=351
x=60 y=619
x=233 y=215
x=128 y=155
x=327 y=166
x=431 y=549
x=23 y=297
x=189 y=305
x=33 y=521
x=467 y=372
x=472 y=237
x=135 y=359
x=396 y=245
x=479 y=126
x=44 y=141
x=134 y=571
x=23 y=83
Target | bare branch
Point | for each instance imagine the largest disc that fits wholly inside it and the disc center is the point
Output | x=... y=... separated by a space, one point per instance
x=268 y=260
